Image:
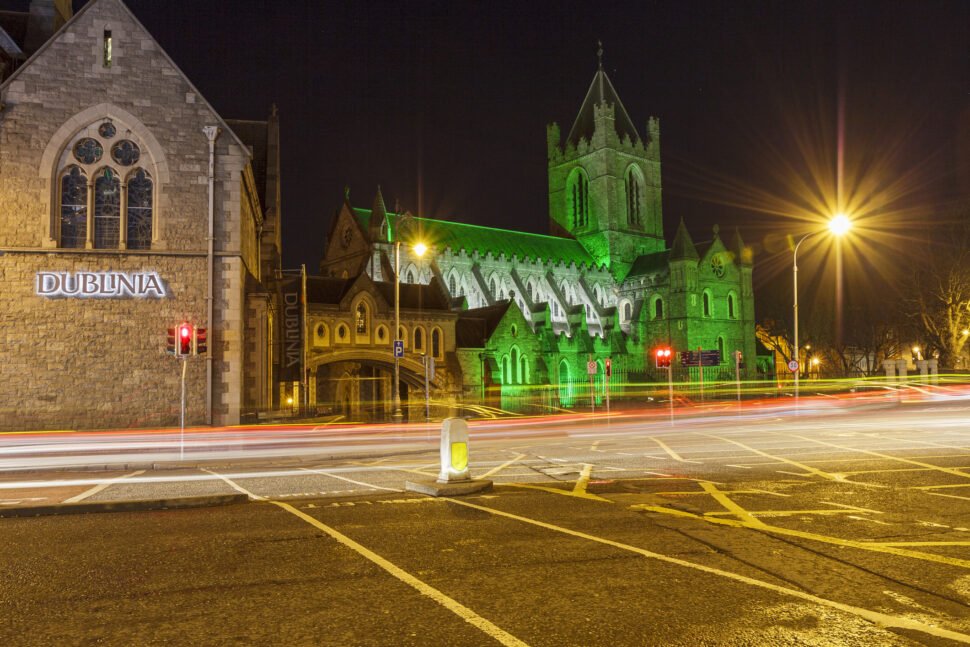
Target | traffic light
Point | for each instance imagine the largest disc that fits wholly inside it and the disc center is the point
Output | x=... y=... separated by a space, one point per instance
x=184 y=343
x=663 y=356
x=170 y=341
x=199 y=342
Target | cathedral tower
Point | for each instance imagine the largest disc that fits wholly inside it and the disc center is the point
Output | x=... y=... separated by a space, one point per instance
x=604 y=180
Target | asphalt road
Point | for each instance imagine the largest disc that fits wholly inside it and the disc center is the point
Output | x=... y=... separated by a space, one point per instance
x=847 y=526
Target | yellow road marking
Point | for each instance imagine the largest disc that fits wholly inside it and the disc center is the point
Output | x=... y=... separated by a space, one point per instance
x=802 y=466
x=937 y=487
x=945 y=470
x=674 y=455
x=100 y=486
x=583 y=480
x=578 y=495
x=502 y=466
x=924 y=543
x=463 y=612
x=595 y=445
x=730 y=505
x=877 y=618
x=782 y=513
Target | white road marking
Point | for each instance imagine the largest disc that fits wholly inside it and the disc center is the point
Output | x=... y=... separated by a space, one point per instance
x=344 y=478
x=100 y=486
x=744 y=467
x=490 y=629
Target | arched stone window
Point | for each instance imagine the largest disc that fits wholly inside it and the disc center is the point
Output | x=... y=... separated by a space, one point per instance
x=634 y=195
x=382 y=337
x=707 y=303
x=565 y=384
x=627 y=311
x=402 y=335
x=730 y=304
x=452 y=286
x=74 y=208
x=97 y=204
x=418 y=339
x=410 y=276
x=525 y=369
x=436 y=345
x=361 y=318
x=321 y=337
x=720 y=346
x=577 y=195
x=491 y=287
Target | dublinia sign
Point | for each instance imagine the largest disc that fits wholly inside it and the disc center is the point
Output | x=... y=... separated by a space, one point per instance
x=105 y=285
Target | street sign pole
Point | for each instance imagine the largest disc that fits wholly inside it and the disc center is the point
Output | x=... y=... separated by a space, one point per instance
x=607 y=374
x=592 y=385
x=737 y=376
x=700 y=371
x=428 y=360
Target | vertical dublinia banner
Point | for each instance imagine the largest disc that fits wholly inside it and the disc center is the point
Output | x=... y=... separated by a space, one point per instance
x=291 y=358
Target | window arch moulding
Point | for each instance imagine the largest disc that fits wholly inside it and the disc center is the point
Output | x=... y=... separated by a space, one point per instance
x=58 y=155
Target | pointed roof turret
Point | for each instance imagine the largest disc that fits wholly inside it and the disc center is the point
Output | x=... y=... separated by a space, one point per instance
x=378 y=210
x=683 y=247
x=601 y=91
x=742 y=253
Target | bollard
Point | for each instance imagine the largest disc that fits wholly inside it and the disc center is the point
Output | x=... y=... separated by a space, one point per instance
x=454 y=477
x=454 y=450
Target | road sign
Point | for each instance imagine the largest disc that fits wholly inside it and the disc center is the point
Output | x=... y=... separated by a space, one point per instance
x=700 y=358
x=399 y=348
x=591 y=368
x=793 y=366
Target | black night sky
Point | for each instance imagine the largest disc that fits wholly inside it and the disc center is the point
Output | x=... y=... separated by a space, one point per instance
x=444 y=104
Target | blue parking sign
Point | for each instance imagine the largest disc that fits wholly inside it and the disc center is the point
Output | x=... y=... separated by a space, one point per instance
x=399 y=348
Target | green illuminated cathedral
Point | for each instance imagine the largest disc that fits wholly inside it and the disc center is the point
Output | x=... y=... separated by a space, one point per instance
x=525 y=313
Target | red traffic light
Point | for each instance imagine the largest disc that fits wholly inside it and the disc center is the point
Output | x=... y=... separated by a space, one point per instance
x=184 y=346
x=663 y=357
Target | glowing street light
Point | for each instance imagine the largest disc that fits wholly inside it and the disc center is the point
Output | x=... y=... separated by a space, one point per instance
x=839 y=225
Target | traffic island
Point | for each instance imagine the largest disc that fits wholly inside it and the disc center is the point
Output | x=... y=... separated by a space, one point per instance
x=454 y=478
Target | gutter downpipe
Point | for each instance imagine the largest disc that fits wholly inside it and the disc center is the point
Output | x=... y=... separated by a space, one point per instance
x=211 y=132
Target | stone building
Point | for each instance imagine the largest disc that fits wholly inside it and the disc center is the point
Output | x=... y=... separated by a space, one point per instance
x=107 y=209
x=535 y=309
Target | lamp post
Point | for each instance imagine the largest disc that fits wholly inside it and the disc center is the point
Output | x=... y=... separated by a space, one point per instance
x=419 y=249
x=838 y=226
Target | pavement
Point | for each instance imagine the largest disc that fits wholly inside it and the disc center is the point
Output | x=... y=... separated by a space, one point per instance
x=840 y=527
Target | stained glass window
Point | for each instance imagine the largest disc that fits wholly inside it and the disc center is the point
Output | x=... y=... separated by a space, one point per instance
x=125 y=152
x=107 y=130
x=88 y=151
x=107 y=210
x=74 y=208
x=139 y=227
x=452 y=287
x=361 y=318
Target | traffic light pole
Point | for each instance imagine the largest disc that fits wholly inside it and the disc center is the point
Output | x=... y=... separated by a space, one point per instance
x=670 y=390
x=185 y=364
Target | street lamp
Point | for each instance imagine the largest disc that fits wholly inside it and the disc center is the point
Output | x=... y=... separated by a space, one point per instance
x=838 y=225
x=403 y=221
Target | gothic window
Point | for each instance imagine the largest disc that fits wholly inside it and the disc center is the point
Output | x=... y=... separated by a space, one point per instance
x=731 y=306
x=627 y=312
x=106 y=49
x=74 y=208
x=525 y=369
x=125 y=152
x=381 y=334
x=720 y=346
x=436 y=342
x=107 y=130
x=139 y=212
x=321 y=334
x=634 y=196
x=418 y=339
x=515 y=368
x=410 y=277
x=579 y=195
x=107 y=210
x=658 y=308
x=452 y=286
x=491 y=286
x=707 y=304
x=361 y=319
x=532 y=291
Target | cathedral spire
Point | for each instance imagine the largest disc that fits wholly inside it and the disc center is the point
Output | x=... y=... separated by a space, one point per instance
x=601 y=91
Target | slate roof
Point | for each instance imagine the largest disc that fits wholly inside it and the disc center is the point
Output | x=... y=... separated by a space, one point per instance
x=650 y=264
x=474 y=327
x=321 y=289
x=330 y=291
x=458 y=236
x=600 y=90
